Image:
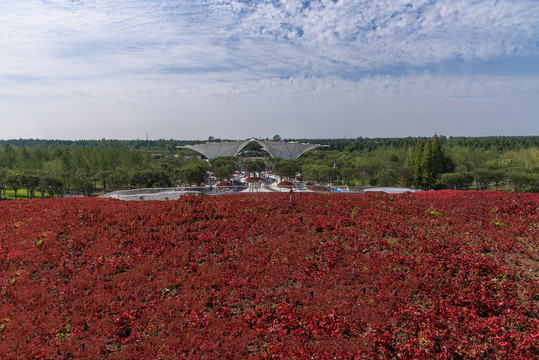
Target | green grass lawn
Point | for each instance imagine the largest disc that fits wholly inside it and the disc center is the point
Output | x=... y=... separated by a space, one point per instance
x=21 y=194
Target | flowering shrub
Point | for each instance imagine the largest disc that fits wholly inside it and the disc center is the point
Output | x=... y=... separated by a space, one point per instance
x=252 y=179
x=424 y=275
x=286 y=184
x=224 y=185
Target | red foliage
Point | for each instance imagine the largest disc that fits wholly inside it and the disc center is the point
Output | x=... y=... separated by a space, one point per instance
x=252 y=179
x=424 y=275
x=223 y=185
x=286 y=184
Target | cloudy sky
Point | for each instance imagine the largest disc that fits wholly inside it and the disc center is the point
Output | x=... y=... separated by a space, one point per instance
x=127 y=69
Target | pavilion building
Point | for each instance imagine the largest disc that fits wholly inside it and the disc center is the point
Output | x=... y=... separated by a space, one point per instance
x=282 y=149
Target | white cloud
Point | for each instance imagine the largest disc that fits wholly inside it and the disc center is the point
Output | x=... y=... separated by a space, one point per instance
x=293 y=59
x=259 y=37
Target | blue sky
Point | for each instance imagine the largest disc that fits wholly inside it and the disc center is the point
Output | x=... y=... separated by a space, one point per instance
x=238 y=69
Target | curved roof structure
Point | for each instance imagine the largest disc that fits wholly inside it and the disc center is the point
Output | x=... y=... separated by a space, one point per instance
x=211 y=150
x=286 y=150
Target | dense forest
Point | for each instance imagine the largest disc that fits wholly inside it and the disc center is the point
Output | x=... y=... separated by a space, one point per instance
x=500 y=143
x=31 y=168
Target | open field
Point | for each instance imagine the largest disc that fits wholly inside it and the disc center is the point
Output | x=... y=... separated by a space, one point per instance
x=444 y=275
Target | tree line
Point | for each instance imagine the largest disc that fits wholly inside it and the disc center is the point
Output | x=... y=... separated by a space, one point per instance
x=432 y=163
x=499 y=143
x=89 y=167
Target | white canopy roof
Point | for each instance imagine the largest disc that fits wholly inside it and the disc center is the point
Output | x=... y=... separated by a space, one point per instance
x=211 y=150
x=286 y=150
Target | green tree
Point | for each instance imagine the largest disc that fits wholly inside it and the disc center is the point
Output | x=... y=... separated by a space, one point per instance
x=14 y=180
x=223 y=167
x=3 y=182
x=147 y=178
x=432 y=163
x=103 y=176
x=522 y=180
x=286 y=168
x=416 y=155
x=8 y=157
x=81 y=183
x=484 y=177
x=30 y=181
x=386 y=177
x=428 y=162
x=55 y=169
x=254 y=166
x=51 y=185
x=365 y=173
x=456 y=180
x=119 y=178
x=317 y=172
x=194 y=171
x=347 y=174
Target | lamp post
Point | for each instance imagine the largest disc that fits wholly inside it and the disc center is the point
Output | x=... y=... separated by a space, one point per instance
x=291 y=192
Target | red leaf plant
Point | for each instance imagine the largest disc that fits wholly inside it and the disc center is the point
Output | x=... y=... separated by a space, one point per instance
x=441 y=275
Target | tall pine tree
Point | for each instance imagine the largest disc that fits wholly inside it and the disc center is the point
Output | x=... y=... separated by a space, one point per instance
x=428 y=162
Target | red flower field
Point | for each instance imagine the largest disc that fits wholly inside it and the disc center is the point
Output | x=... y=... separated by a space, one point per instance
x=444 y=275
